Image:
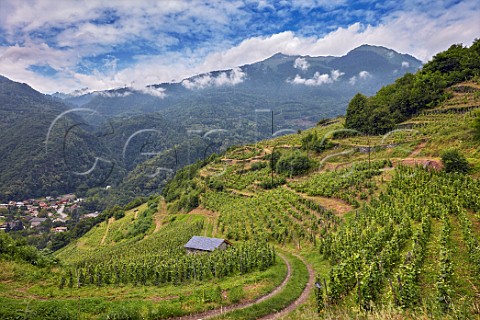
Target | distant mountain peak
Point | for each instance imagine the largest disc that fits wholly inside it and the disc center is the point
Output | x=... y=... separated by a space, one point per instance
x=279 y=55
x=372 y=48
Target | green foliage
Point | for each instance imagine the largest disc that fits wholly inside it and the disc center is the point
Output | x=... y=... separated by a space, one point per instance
x=293 y=164
x=312 y=142
x=356 y=114
x=292 y=291
x=272 y=183
x=142 y=223
x=345 y=184
x=123 y=313
x=182 y=189
x=445 y=276
x=323 y=121
x=173 y=266
x=278 y=215
x=55 y=310
x=273 y=159
x=258 y=166
x=32 y=167
x=476 y=125
x=454 y=161
x=215 y=184
x=236 y=294
x=135 y=203
x=119 y=214
x=12 y=250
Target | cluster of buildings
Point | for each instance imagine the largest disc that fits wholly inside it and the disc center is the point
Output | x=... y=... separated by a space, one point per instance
x=34 y=212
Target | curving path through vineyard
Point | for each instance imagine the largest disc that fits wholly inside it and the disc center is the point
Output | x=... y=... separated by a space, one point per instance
x=303 y=297
x=213 y=313
x=300 y=300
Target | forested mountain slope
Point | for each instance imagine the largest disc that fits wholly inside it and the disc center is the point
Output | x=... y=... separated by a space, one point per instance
x=44 y=149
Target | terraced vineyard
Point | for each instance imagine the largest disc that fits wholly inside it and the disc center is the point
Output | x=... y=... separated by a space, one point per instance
x=347 y=184
x=378 y=257
x=279 y=215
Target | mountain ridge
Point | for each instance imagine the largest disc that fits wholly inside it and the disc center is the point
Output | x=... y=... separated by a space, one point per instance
x=363 y=47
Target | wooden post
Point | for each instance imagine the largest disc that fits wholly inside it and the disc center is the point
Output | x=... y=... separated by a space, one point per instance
x=393 y=291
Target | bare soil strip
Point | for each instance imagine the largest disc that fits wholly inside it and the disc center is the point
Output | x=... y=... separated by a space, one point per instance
x=337 y=205
x=106 y=230
x=159 y=215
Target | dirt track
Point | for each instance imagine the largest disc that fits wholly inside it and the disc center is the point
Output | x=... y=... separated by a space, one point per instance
x=300 y=300
x=303 y=297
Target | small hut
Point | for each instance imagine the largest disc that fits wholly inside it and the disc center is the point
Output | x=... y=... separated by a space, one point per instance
x=204 y=244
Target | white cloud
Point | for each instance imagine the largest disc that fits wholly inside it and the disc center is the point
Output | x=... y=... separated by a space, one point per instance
x=150 y=90
x=405 y=64
x=225 y=78
x=364 y=74
x=318 y=79
x=301 y=63
x=336 y=74
x=156 y=92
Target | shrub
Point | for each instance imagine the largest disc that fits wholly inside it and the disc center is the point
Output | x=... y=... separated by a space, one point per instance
x=476 y=125
x=269 y=184
x=123 y=313
x=454 y=161
x=119 y=214
x=258 y=166
x=293 y=164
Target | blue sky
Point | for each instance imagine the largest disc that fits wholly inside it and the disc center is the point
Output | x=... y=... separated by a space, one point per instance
x=66 y=45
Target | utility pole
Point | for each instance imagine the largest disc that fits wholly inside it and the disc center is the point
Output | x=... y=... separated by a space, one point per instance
x=272 y=123
x=271 y=163
x=368 y=140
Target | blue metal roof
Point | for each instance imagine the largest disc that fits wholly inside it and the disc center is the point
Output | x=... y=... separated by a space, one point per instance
x=204 y=243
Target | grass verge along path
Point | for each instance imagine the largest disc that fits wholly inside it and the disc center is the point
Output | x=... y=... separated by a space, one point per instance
x=293 y=293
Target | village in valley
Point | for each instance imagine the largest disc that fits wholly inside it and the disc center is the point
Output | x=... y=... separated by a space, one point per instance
x=48 y=214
